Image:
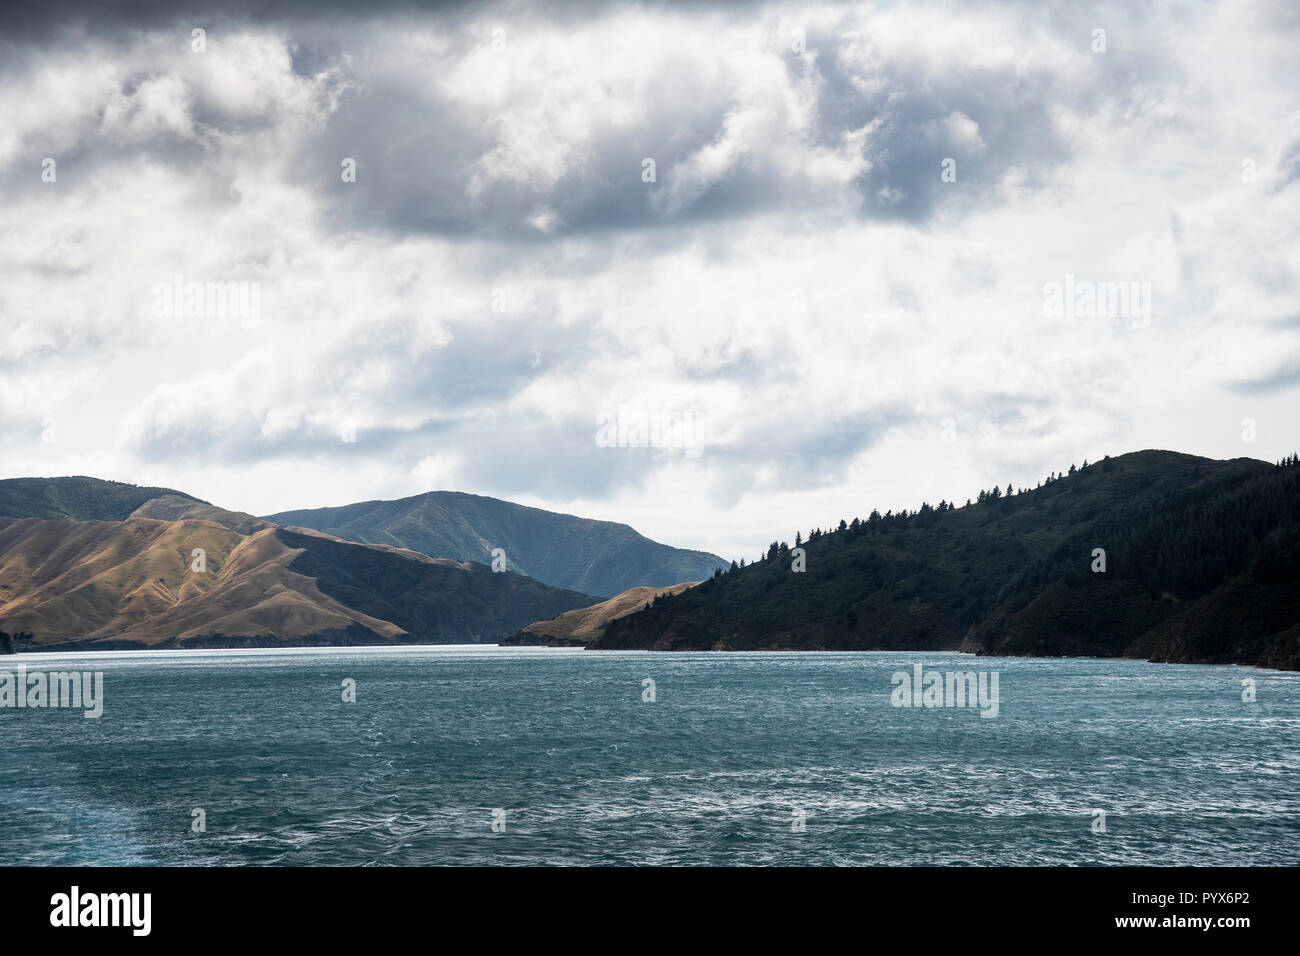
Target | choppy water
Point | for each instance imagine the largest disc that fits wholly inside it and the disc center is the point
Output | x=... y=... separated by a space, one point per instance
x=712 y=772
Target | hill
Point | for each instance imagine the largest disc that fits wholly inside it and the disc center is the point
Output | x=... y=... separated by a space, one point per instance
x=76 y=499
x=581 y=626
x=110 y=584
x=1207 y=574
x=1200 y=566
x=179 y=507
x=596 y=557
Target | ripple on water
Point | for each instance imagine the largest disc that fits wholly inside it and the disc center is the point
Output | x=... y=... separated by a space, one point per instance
x=743 y=759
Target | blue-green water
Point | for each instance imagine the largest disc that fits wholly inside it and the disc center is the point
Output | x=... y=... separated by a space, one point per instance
x=713 y=771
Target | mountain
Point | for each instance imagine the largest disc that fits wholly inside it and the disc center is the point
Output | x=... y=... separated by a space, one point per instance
x=581 y=626
x=76 y=499
x=1201 y=566
x=132 y=583
x=175 y=507
x=597 y=557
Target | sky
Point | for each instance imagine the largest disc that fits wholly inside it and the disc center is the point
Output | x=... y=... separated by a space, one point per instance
x=721 y=271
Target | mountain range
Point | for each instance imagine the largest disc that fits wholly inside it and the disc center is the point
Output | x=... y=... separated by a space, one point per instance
x=131 y=583
x=1153 y=554
x=88 y=563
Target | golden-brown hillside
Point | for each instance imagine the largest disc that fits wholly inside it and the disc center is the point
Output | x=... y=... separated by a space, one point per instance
x=585 y=624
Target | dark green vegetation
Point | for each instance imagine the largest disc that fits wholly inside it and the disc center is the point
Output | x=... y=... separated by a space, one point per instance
x=596 y=557
x=75 y=499
x=432 y=602
x=1202 y=566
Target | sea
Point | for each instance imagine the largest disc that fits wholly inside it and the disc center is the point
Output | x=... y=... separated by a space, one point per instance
x=481 y=755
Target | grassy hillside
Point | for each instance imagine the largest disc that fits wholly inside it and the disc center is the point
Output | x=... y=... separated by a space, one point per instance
x=179 y=507
x=131 y=583
x=75 y=499
x=1187 y=540
x=596 y=557
x=581 y=626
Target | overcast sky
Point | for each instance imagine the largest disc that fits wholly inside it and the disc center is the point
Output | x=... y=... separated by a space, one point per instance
x=834 y=316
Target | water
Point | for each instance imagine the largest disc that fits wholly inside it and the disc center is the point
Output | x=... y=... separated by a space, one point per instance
x=712 y=772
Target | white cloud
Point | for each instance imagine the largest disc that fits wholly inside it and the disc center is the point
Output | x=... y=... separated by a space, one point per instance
x=754 y=281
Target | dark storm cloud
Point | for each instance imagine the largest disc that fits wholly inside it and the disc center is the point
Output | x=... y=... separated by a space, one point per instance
x=417 y=154
x=427 y=162
x=39 y=21
x=28 y=21
x=913 y=105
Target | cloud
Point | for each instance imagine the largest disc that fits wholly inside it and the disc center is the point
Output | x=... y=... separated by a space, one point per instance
x=850 y=328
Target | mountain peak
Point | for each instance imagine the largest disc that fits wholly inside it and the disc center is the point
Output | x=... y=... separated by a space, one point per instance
x=582 y=554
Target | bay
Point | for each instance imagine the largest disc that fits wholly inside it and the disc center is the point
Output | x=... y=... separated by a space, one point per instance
x=479 y=755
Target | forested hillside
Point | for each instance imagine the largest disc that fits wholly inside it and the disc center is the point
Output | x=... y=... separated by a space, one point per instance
x=1200 y=561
